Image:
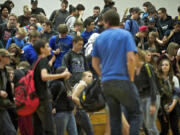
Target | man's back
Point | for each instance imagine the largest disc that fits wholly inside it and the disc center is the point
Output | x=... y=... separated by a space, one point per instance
x=111 y=47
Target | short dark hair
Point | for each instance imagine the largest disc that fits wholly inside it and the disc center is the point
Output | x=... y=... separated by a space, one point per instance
x=80 y=7
x=147 y=4
x=112 y=17
x=78 y=38
x=97 y=8
x=71 y=9
x=65 y=2
x=62 y=28
x=49 y=23
x=151 y=10
x=5 y=6
x=34 y=16
x=39 y=44
x=88 y=22
x=179 y=9
x=163 y=10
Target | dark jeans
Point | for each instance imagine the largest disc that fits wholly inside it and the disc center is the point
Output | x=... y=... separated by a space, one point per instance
x=65 y=120
x=43 y=119
x=6 y=125
x=83 y=123
x=123 y=92
x=172 y=120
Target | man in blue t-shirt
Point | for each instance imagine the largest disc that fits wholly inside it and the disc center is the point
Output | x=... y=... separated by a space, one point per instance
x=113 y=58
x=60 y=44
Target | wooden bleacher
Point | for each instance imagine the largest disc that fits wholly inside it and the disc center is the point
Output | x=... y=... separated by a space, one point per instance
x=98 y=120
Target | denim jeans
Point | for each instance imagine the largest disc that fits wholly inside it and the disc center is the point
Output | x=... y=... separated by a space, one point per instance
x=83 y=122
x=6 y=125
x=65 y=120
x=148 y=119
x=123 y=92
x=43 y=119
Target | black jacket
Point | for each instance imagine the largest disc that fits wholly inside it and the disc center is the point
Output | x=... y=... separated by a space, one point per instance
x=64 y=102
x=146 y=83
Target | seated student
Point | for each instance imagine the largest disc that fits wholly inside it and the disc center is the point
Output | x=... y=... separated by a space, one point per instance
x=178 y=17
x=33 y=20
x=78 y=27
x=42 y=118
x=131 y=24
x=18 y=39
x=17 y=55
x=63 y=106
x=60 y=44
x=23 y=20
x=48 y=31
x=173 y=35
x=83 y=121
x=29 y=52
x=89 y=29
x=75 y=61
x=139 y=37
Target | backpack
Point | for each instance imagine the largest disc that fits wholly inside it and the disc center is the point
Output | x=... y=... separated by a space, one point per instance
x=26 y=98
x=92 y=98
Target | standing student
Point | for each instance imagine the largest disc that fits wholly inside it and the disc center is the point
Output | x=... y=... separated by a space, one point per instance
x=43 y=121
x=6 y=125
x=116 y=56
x=83 y=121
x=75 y=60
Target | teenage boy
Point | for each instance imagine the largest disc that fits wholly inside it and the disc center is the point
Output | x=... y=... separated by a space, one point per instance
x=173 y=35
x=43 y=121
x=9 y=29
x=6 y=125
x=48 y=31
x=78 y=26
x=60 y=44
x=131 y=24
x=75 y=61
x=29 y=53
x=36 y=9
x=59 y=16
x=113 y=58
x=89 y=27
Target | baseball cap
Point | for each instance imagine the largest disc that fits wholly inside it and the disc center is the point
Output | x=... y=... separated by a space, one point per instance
x=143 y=28
x=5 y=53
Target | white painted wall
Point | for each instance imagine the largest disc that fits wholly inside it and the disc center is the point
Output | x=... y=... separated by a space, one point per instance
x=50 y=5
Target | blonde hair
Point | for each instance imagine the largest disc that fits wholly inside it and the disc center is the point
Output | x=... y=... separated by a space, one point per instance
x=141 y=54
x=12 y=14
x=26 y=9
x=22 y=31
x=85 y=73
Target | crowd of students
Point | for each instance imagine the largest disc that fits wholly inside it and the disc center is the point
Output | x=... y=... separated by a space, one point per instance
x=65 y=42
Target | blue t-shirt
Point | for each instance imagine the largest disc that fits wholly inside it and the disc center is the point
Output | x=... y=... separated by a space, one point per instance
x=17 y=41
x=111 y=48
x=132 y=26
x=30 y=54
x=86 y=35
x=64 y=44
